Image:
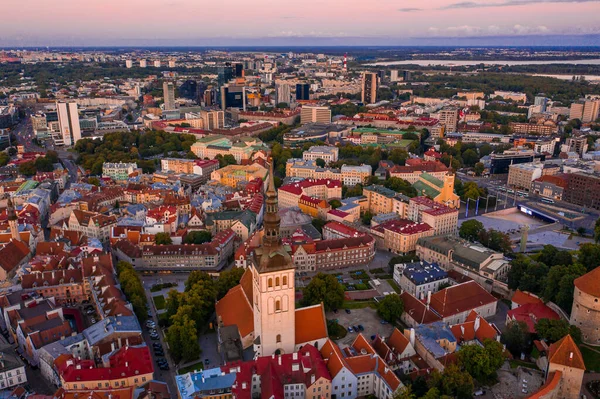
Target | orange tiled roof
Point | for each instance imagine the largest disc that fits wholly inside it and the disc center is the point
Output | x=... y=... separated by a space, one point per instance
x=310 y=324
x=566 y=353
x=521 y=298
x=333 y=355
x=234 y=310
x=589 y=282
x=12 y=254
x=459 y=298
x=247 y=285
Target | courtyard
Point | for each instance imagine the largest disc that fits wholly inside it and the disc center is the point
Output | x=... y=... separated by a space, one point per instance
x=367 y=317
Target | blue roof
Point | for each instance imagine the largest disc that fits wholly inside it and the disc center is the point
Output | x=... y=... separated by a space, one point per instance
x=202 y=381
x=423 y=272
x=430 y=334
x=106 y=327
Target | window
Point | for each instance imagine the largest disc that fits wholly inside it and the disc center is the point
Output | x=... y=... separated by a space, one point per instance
x=276 y=281
x=284 y=280
x=277 y=305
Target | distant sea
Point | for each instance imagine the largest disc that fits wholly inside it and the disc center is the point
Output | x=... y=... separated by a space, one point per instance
x=485 y=62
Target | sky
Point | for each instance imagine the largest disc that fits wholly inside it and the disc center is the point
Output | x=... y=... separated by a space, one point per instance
x=226 y=22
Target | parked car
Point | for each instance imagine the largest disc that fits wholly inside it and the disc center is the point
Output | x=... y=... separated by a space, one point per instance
x=93 y=320
x=154 y=337
x=348 y=311
x=350 y=329
x=206 y=361
x=361 y=328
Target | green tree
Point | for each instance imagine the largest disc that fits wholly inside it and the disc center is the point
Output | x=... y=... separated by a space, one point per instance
x=470 y=229
x=554 y=330
x=400 y=186
x=404 y=393
x=597 y=230
x=390 y=308
x=197 y=237
x=589 y=255
x=482 y=362
x=318 y=224
x=335 y=204
x=354 y=191
x=228 y=279
x=496 y=240
x=366 y=218
x=94 y=181
x=4 y=158
x=479 y=168
x=470 y=157
x=182 y=337
x=320 y=162
x=323 y=288
x=452 y=382
x=163 y=239
x=27 y=168
x=516 y=337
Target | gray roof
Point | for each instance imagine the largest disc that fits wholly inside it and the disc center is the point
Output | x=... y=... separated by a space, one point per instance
x=463 y=252
x=110 y=325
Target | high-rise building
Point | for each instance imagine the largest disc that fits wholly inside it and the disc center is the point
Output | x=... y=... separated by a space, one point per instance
x=156 y=63
x=68 y=121
x=302 y=91
x=449 y=118
x=239 y=70
x=233 y=96
x=171 y=63
x=283 y=93
x=381 y=75
x=225 y=74
x=369 y=88
x=189 y=89
x=143 y=63
x=394 y=75
x=406 y=76
x=169 y=95
x=315 y=114
x=586 y=110
x=209 y=96
x=541 y=101
x=128 y=63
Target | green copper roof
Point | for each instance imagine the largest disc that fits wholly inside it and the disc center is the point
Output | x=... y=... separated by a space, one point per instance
x=425 y=189
x=432 y=179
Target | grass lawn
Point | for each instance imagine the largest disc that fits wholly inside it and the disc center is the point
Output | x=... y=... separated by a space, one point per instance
x=515 y=363
x=159 y=302
x=191 y=367
x=394 y=285
x=358 y=304
x=591 y=358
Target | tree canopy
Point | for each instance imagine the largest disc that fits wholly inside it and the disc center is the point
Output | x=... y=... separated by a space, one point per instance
x=390 y=308
x=323 y=288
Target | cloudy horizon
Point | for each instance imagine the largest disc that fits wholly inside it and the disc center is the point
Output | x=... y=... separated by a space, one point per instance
x=385 y=22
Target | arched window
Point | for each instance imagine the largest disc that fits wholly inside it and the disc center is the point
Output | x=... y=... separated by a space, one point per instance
x=284 y=280
x=270 y=283
x=277 y=305
x=276 y=281
x=278 y=338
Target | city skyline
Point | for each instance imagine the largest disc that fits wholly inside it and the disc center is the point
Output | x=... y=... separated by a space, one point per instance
x=445 y=22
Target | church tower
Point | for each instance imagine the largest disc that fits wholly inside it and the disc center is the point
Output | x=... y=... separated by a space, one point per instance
x=13 y=220
x=273 y=279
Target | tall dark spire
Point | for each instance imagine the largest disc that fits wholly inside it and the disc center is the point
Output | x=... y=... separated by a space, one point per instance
x=10 y=210
x=272 y=236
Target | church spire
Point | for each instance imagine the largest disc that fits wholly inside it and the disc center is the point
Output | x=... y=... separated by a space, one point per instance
x=10 y=210
x=272 y=236
x=13 y=220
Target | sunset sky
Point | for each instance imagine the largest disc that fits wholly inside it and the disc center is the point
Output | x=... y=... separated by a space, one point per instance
x=123 y=22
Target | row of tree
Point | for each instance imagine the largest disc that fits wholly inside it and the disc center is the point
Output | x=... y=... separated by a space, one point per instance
x=132 y=287
x=496 y=240
x=189 y=312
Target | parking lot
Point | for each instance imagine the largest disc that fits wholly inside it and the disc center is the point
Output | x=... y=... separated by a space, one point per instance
x=515 y=383
x=366 y=317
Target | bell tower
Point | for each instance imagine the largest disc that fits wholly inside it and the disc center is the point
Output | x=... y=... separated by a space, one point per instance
x=13 y=220
x=273 y=278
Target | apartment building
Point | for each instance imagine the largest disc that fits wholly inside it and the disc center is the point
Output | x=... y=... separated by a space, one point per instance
x=522 y=175
x=370 y=83
x=68 y=121
x=449 y=119
x=118 y=171
x=315 y=114
x=324 y=189
x=586 y=110
x=326 y=153
x=381 y=200
x=353 y=175
x=92 y=224
x=443 y=219
x=350 y=175
x=177 y=165
x=543 y=128
x=400 y=235
x=420 y=278
x=583 y=189
x=511 y=95
x=210 y=146
x=413 y=169
x=234 y=175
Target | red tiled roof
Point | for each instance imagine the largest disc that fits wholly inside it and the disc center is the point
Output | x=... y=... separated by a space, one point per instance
x=557 y=180
x=12 y=254
x=234 y=309
x=460 y=298
x=566 y=353
x=522 y=298
x=531 y=313
x=403 y=226
x=589 y=282
x=417 y=310
x=310 y=324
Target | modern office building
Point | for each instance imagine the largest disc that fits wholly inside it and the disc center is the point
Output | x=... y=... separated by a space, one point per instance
x=369 y=88
x=169 y=95
x=315 y=114
x=449 y=119
x=239 y=70
x=302 y=91
x=189 y=90
x=406 y=76
x=233 y=96
x=68 y=120
x=225 y=74
x=541 y=101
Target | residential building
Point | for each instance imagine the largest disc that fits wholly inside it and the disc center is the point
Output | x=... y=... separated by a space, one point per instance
x=577 y=144
x=511 y=95
x=415 y=167
x=212 y=383
x=420 y=278
x=442 y=219
x=324 y=189
x=130 y=366
x=453 y=304
x=68 y=121
x=118 y=171
x=92 y=224
x=302 y=91
x=204 y=168
x=177 y=165
x=283 y=93
x=585 y=313
x=326 y=153
x=474 y=260
x=449 y=119
x=242 y=149
x=234 y=175
x=350 y=175
x=400 y=236
x=583 y=189
x=396 y=350
x=316 y=208
x=169 y=96
x=530 y=314
x=315 y=114
x=12 y=370
x=381 y=200
x=586 y=110
x=522 y=175
x=369 y=87
x=433 y=342
x=542 y=128
x=353 y=175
